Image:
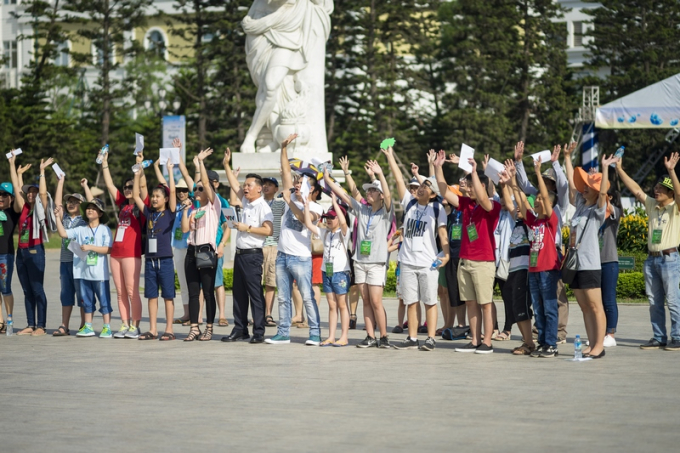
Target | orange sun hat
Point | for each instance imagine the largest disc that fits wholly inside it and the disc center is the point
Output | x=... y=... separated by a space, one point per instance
x=583 y=179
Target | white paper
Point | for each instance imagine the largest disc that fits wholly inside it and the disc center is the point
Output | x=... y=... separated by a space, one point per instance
x=545 y=156
x=16 y=152
x=306 y=188
x=139 y=143
x=9 y=155
x=77 y=251
x=493 y=170
x=57 y=169
x=466 y=153
x=230 y=215
x=120 y=234
x=169 y=154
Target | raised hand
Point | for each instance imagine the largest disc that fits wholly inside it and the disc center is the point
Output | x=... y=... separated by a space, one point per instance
x=23 y=169
x=157 y=163
x=344 y=164
x=58 y=212
x=227 y=157
x=473 y=163
x=375 y=167
x=45 y=164
x=431 y=156
x=453 y=159
x=83 y=183
x=485 y=162
x=169 y=165
x=369 y=172
x=441 y=158
x=519 y=151
x=177 y=143
x=671 y=161
x=569 y=149
x=510 y=168
x=504 y=177
x=196 y=162
x=334 y=198
x=414 y=169
x=205 y=153
x=606 y=161
x=139 y=158
x=236 y=172
x=387 y=152
x=288 y=140
x=537 y=165
x=555 y=156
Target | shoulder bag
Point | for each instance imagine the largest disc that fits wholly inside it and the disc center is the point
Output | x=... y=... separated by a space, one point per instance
x=570 y=264
x=205 y=256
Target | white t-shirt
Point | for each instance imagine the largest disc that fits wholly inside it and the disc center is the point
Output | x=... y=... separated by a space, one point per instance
x=335 y=249
x=253 y=214
x=295 y=238
x=98 y=269
x=419 y=247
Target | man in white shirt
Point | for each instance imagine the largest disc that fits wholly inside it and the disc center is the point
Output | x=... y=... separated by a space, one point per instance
x=294 y=259
x=255 y=225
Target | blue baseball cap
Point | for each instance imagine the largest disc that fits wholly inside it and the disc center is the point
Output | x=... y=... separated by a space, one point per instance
x=271 y=180
x=7 y=187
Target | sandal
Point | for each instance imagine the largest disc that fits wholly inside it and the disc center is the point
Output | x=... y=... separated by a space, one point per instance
x=523 y=350
x=27 y=331
x=207 y=334
x=340 y=345
x=269 y=321
x=62 y=331
x=147 y=336
x=167 y=336
x=353 y=322
x=193 y=334
x=180 y=321
x=38 y=332
x=223 y=322
x=503 y=336
x=328 y=342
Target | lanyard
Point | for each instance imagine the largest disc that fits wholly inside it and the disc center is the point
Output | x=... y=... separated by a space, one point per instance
x=152 y=223
x=370 y=219
x=472 y=213
x=659 y=217
x=419 y=215
x=94 y=233
x=330 y=246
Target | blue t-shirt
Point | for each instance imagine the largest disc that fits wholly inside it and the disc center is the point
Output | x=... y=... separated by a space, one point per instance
x=220 y=233
x=159 y=228
x=179 y=239
x=98 y=268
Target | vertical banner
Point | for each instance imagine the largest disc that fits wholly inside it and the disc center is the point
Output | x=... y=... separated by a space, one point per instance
x=175 y=126
x=589 y=148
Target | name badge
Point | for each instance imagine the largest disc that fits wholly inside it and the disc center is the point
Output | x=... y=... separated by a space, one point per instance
x=365 y=248
x=329 y=269
x=92 y=258
x=656 y=236
x=533 y=258
x=456 y=232
x=24 y=236
x=120 y=233
x=178 y=234
x=417 y=244
x=472 y=232
x=153 y=245
x=2 y=230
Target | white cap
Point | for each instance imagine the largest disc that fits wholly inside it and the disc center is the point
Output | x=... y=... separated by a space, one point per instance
x=375 y=185
x=431 y=182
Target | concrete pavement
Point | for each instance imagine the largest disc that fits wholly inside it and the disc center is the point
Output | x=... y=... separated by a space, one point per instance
x=73 y=394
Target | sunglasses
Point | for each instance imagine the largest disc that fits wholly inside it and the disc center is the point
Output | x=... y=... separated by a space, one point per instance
x=128 y=187
x=4 y=194
x=73 y=202
x=200 y=188
x=330 y=217
x=182 y=190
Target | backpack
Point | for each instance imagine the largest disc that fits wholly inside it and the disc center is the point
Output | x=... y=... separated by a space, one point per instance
x=436 y=206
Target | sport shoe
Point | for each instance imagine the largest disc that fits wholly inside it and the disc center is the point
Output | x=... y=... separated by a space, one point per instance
x=674 y=345
x=121 y=333
x=429 y=344
x=85 y=331
x=106 y=332
x=408 y=343
x=278 y=339
x=313 y=341
x=537 y=352
x=398 y=329
x=369 y=342
x=609 y=341
x=467 y=348
x=133 y=333
x=484 y=349
x=384 y=343
x=653 y=344
x=548 y=352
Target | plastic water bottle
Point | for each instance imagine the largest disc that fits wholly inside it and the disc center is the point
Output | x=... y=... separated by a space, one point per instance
x=144 y=164
x=102 y=152
x=438 y=261
x=577 y=347
x=10 y=326
x=619 y=153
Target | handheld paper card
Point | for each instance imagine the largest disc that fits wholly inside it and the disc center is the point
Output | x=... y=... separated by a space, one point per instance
x=17 y=151
x=230 y=215
x=493 y=170
x=171 y=154
x=77 y=251
x=544 y=155
x=387 y=143
x=466 y=153
x=306 y=188
x=60 y=173
x=9 y=155
x=139 y=143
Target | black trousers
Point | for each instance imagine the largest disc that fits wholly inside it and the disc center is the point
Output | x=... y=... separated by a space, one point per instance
x=248 y=290
x=197 y=278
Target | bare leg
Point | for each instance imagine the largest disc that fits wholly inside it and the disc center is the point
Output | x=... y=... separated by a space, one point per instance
x=412 y=315
x=169 y=314
x=354 y=299
x=401 y=311
x=431 y=317
x=460 y=314
x=376 y=293
x=153 y=315
x=297 y=302
x=487 y=313
x=525 y=330
x=447 y=311
x=369 y=315
x=344 y=316
x=332 y=316
x=317 y=294
x=66 y=315
x=475 y=314
x=590 y=301
x=269 y=294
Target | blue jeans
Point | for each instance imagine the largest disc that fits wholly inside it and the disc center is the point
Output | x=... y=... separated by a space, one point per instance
x=99 y=289
x=662 y=277
x=289 y=268
x=69 y=290
x=31 y=270
x=543 y=288
x=6 y=272
x=610 y=277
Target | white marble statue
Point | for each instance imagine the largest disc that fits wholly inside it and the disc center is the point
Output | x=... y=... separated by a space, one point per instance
x=285 y=51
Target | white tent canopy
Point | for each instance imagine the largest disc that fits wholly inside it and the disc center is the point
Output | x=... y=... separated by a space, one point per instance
x=654 y=107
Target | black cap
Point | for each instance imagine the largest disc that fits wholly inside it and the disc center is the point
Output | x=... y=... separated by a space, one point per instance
x=213 y=176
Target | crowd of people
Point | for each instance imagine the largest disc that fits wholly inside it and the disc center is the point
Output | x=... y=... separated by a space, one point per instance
x=454 y=243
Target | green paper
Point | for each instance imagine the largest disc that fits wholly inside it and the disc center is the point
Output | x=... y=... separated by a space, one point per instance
x=387 y=143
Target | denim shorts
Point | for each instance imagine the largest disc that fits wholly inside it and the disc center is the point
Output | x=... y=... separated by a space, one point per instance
x=338 y=283
x=6 y=272
x=159 y=273
x=89 y=290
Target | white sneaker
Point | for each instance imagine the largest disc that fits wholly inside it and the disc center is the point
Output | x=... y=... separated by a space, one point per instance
x=609 y=341
x=133 y=333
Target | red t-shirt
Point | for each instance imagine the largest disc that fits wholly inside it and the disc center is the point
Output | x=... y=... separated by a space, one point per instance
x=543 y=242
x=127 y=241
x=26 y=224
x=482 y=248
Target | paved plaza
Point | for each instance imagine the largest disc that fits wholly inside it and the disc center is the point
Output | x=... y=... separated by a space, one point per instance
x=89 y=394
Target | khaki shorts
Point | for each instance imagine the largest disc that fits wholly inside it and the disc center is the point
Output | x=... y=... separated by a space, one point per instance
x=269 y=265
x=475 y=280
x=369 y=273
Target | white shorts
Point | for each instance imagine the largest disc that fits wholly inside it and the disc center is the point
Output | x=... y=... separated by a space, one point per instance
x=418 y=284
x=370 y=273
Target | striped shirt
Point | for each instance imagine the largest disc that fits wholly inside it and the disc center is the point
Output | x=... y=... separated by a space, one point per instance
x=277 y=205
x=69 y=223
